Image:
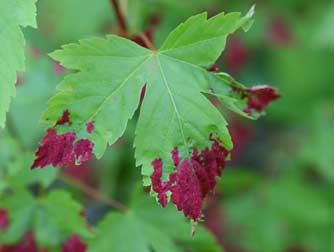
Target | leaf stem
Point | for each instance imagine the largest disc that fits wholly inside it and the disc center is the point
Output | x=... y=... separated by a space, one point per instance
x=120 y=17
x=92 y=192
x=147 y=41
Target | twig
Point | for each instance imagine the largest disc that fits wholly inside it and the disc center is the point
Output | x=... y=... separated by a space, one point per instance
x=92 y=192
x=120 y=18
x=146 y=40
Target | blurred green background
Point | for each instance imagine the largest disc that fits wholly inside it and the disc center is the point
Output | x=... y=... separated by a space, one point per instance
x=277 y=193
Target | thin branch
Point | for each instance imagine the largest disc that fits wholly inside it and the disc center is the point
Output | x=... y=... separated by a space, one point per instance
x=147 y=42
x=92 y=192
x=120 y=18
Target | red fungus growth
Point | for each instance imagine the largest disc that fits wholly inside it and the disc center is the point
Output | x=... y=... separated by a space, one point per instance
x=193 y=179
x=62 y=150
x=3 y=219
x=55 y=149
x=186 y=191
x=176 y=157
x=64 y=119
x=83 y=150
x=90 y=127
x=258 y=97
x=74 y=244
x=158 y=186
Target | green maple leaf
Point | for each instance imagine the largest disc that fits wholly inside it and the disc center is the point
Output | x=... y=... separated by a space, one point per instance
x=141 y=236
x=229 y=98
x=111 y=73
x=149 y=228
x=44 y=216
x=38 y=85
x=14 y=166
x=13 y=14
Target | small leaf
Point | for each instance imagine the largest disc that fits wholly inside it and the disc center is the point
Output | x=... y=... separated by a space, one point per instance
x=37 y=86
x=13 y=14
x=150 y=229
x=14 y=166
x=200 y=40
x=112 y=72
x=44 y=216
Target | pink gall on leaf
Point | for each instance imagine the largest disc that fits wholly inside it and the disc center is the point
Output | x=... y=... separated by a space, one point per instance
x=258 y=97
x=55 y=149
x=62 y=150
x=64 y=119
x=83 y=150
x=157 y=185
x=193 y=179
x=90 y=127
x=186 y=193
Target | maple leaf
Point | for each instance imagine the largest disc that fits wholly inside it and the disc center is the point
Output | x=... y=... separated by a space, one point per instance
x=109 y=77
x=111 y=72
x=13 y=164
x=13 y=14
x=150 y=228
x=43 y=216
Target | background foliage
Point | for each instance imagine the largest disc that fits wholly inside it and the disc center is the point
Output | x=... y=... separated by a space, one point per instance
x=275 y=195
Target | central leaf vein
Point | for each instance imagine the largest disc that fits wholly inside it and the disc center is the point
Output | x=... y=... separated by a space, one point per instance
x=170 y=94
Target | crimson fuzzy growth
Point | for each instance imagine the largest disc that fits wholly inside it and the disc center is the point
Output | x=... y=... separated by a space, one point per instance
x=258 y=97
x=63 y=150
x=193 y=179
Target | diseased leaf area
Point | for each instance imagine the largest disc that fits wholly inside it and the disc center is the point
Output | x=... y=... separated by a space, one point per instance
x=193 y=180
x=13 y=15
x=181 y=139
